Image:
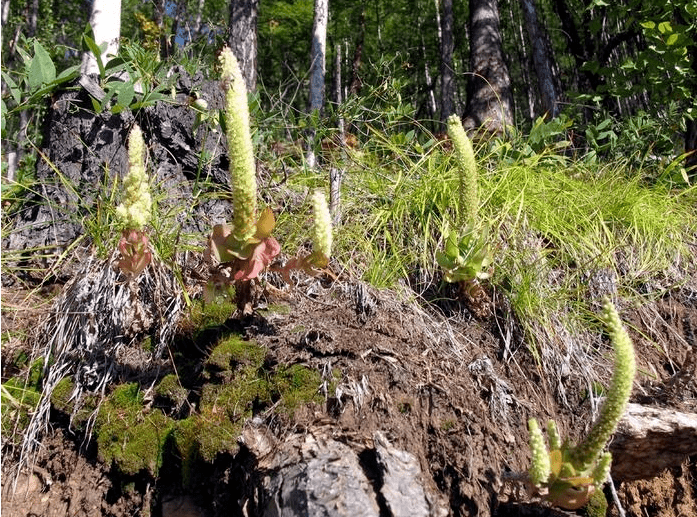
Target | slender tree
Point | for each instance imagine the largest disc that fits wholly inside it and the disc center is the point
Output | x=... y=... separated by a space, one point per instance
x=540 y=58
x=317 y=66
x=242 y=37
x=489 y=98
x=106 y=27
x=447 y=84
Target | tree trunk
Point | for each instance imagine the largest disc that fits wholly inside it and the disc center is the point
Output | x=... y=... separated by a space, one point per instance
x=197 y=20
x=540 y=59
x=447 y=84
x=242 y=38
x=106 y=27
x=356 y=81
x=317 y=69
x=432 y=107
x=489 y=99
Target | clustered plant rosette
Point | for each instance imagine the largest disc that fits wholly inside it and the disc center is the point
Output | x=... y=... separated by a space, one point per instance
x=467 y=257
x=567 y=475
x=136 y=210
x=246 y=246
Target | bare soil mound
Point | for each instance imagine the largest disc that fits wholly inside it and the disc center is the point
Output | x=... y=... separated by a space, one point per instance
x=453 y=391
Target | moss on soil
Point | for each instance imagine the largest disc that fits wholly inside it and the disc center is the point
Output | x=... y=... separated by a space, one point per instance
x=129 y=436
x=237 y=384
x=61 y=400
x=170 y=389
x=20 y=396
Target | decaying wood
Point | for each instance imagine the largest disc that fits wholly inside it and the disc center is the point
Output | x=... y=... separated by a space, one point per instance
x=650 y=439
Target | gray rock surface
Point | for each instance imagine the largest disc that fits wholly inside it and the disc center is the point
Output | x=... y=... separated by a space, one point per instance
x=315 y=475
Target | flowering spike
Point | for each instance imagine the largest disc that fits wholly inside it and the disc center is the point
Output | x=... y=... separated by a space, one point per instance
x=321 y=228
x=553 y=436
x=135 y=211
x=540 y=467
x=618 y=393
x=242 y=168
x=602 y=469
x=469 y=195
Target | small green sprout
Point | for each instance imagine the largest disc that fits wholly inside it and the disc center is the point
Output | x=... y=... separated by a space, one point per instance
x=566 y=475
x=321 y=240
x=136 y=210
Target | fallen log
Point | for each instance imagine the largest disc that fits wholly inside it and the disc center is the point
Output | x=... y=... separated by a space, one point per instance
x=651 y=439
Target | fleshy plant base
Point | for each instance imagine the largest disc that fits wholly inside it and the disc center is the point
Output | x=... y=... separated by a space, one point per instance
x=238 y=262
x=135 y=252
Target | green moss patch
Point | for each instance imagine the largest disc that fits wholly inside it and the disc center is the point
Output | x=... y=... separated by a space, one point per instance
x=296 y=385
x=171 y=390
x=128 y=436
x=20 y=397
x=233 y=351
x=61 y=400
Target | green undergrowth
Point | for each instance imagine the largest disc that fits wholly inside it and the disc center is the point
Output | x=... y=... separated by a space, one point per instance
x=19 y=397
x=557 y=226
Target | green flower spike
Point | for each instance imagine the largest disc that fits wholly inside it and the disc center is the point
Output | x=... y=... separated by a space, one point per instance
x=135 y=211
x=321 y=242
x=569 y=476
x=242 y=168
x=602 y=469
x=553 y=435
x=469 y=195
x=540 y=468
x=587 y=452
x=321 y=230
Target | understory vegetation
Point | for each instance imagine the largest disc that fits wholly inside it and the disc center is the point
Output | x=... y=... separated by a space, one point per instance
x=563 y=228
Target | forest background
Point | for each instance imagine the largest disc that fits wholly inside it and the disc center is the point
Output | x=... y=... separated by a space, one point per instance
x=610 y=80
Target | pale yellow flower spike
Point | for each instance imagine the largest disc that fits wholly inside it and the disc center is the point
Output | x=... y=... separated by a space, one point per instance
x=240 y=150
x=540 y=467
x=322 y=227
x=136 y=209
x=469 y=193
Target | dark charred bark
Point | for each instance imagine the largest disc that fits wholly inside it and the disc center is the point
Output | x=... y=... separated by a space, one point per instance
x=489 y=99
x=540 y=59
x=242 y=37
x=356 y=81
x=447 y=74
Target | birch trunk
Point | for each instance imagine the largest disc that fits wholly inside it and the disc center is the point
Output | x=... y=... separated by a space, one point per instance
x=106 y=27
x=317 y=68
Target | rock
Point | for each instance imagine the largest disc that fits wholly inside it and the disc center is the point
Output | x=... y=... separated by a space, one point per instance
x=650 y=439
x=314 y=475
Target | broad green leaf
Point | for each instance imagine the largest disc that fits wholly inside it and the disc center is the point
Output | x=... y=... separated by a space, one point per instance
x=41 y=70
x=14 y=90
x=125 y=94
x=672 y=39
x=90 y=45
x=664 y=27
x=648 y=25
x=265 y=224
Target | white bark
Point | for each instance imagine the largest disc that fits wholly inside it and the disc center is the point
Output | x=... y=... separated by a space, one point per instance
x=106 y=27
x=318 y=54
x=317 y=68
